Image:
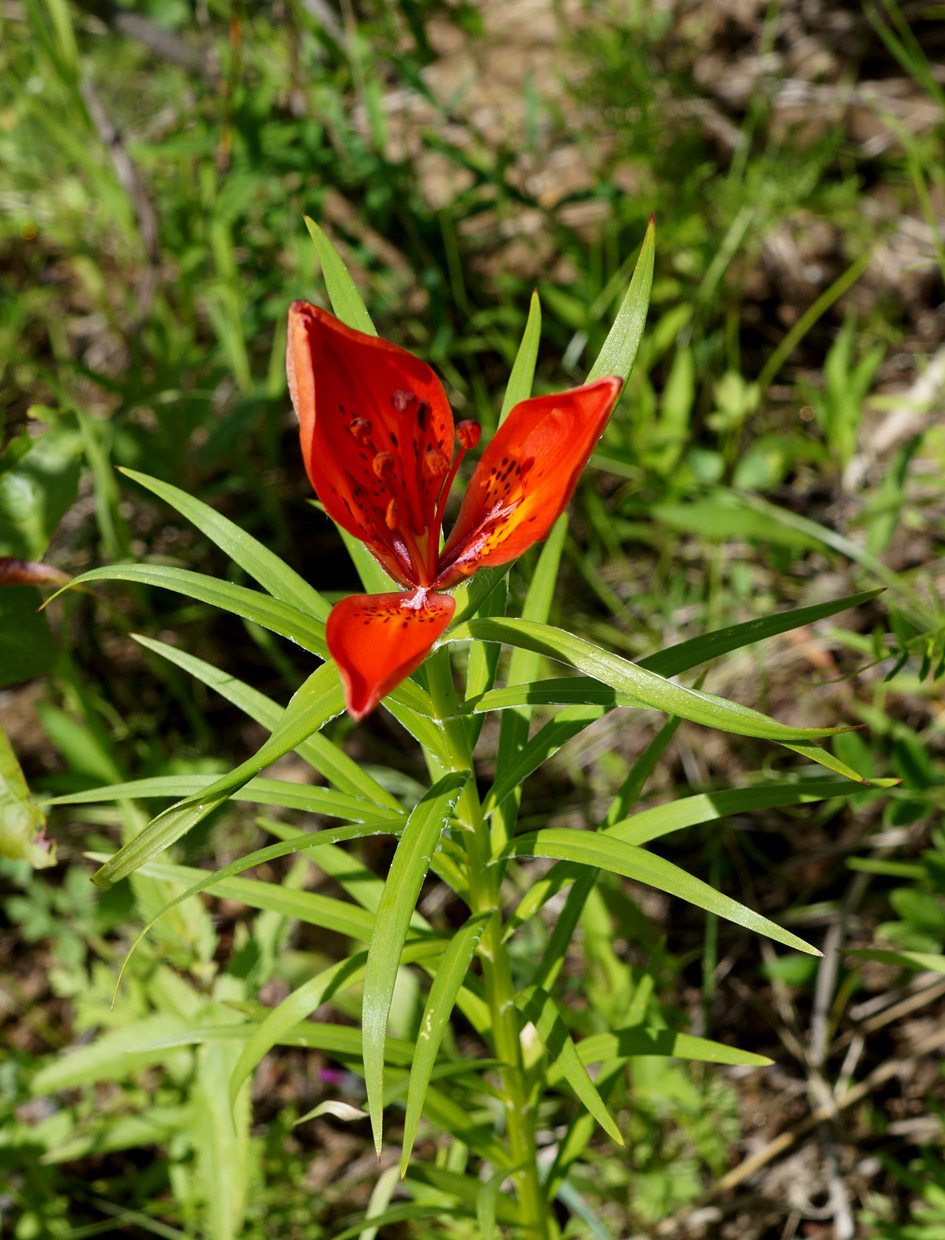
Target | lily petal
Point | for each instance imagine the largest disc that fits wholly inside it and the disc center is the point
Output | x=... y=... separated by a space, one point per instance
x=525 y=478
x=370 y=414
x=379 y=639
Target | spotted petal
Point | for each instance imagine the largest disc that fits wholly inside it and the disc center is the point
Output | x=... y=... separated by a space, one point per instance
x=379 y=639
x=525 y=478
x=372 y=418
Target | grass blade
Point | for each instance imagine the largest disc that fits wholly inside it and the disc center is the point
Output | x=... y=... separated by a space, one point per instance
x=619 y=350
x=342 y=290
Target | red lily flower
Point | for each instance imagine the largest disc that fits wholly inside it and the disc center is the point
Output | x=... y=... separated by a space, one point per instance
x=377 y=439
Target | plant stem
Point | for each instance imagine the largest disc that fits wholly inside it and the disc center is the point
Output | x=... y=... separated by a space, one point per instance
x=496 y=967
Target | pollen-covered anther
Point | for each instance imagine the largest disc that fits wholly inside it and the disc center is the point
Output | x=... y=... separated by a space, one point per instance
x=468 y=433
x=404 y=401
x=383 y=464
x=391 y=519
x=361 y=430
x=435 y=464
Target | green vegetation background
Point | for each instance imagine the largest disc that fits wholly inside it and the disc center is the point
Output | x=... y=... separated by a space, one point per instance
x=780 y=442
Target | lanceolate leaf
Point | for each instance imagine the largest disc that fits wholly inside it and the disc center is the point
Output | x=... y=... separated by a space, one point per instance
x=317 y=701
x=449 y=977
x=537 y=1006
x=311 y=995
x=607 y=853
x=634 y=680
x=407 y=873
x=620 y=348
x=628 y=1043
x=547 y=741
x=523 y=368
x=266 y=568
x=680 y=658
x=342 y=290
x=257 y=791
x=283 y=618
x=324 y=755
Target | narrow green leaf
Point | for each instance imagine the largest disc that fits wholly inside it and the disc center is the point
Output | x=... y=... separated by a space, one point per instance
x=323 y=754
x=308 y=906
x=319 y=699
x=680 y=658
x=486 y=1204
x=607 y=853
x=447 y=981
x=523 y=368
x=651 y=824
x=620 y=348
x=272 y=613
x=257 y=791
x=312 y=994
x=517 y=766
x=929 y=961
x=427 y=1212
x=633 y=679
x=556 y=691
x=629 y=1043
x=523 y=669
x=405 y=878
x=538 y=1006
x=256 y=560
x=342 y=290
x=461 y=1188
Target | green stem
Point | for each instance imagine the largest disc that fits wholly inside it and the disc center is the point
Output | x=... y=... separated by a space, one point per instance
x=496 y=968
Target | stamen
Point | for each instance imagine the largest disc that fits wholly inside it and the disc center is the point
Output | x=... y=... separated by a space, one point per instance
x=390 y=516
x=361 y=429
x=404 y=401
x=383 y=465
x=435 y=464
x=468 y=433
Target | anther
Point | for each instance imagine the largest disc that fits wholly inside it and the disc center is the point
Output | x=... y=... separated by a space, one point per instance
x=382 y=464
x=404 y=401
x=390 y=516
x=468 y=433
x=361 y=430
x=435 y=464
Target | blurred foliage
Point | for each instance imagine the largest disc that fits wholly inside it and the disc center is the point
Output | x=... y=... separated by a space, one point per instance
x=153 y=178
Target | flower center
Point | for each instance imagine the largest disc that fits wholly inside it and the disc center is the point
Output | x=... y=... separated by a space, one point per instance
x=413 y=477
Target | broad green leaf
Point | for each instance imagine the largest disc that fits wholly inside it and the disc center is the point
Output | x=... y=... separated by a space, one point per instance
x=633 y=679
x=282 y=618
x=629 y=1043
x=537 y=1006
x=342 y=290
x=324 y=755
x=221 y=1140
x=21 y=821
x=26 y=644
x=523 y=368
x=607 y=853
x=319 y=699
x=449 y=977
x=113 y=1056
x=38 y=490
x=257 y=561
x=257 y=791
x=620 y=348
x=680 y=658
x=405 y=878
